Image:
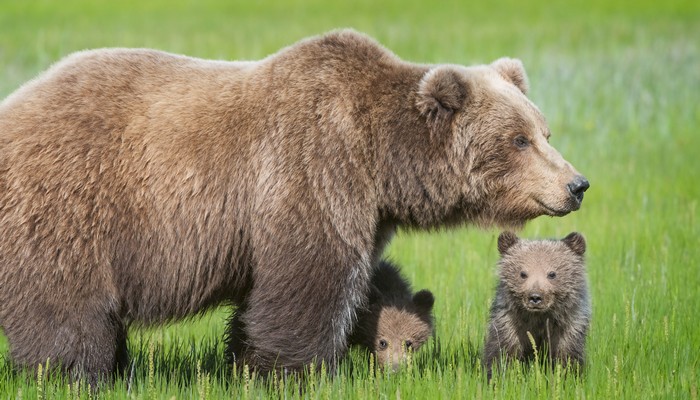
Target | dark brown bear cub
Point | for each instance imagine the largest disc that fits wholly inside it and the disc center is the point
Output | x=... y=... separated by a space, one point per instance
x=542 y=291
x=396 y=321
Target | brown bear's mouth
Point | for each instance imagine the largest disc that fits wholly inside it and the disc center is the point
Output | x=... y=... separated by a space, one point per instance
x=551 y=211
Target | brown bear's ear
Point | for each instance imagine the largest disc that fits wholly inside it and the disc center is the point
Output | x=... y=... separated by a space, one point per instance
x=424 y=300
x=506 y=240
x=576 y=242
x=441 y=93
x=512 y=70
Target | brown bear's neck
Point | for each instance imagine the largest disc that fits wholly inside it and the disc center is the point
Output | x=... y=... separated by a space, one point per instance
x=408 y=156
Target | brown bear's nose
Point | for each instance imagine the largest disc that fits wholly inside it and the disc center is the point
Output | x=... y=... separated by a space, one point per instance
x=578 y=186
x=535 y=298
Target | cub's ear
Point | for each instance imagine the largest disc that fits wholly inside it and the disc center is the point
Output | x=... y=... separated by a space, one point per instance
x=441 y=92
x=506 y=240
x=512 y=70
x=374 y=296
x=576 y=242
x=424 y=300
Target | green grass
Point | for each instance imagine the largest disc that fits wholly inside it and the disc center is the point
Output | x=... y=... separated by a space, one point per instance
x=620 y=85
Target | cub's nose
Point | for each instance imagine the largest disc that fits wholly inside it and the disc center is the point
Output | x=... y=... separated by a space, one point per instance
x=577 y=187
x=535 y=298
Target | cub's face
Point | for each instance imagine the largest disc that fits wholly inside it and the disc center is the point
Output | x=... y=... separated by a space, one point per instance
x=398 y=333
x=500 y=143
x=542 y=274
x=402 y=330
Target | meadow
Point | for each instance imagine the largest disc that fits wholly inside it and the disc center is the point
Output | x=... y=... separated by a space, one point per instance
x=619 y=83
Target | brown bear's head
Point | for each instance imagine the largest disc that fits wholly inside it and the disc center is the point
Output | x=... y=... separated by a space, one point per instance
x=488 y=159
x=403 y=330
x=542 y=275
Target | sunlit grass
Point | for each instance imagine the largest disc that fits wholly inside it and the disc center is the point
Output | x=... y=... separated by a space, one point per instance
x=619 y=84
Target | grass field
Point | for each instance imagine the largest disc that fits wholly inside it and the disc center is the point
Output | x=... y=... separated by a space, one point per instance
x=619 y=82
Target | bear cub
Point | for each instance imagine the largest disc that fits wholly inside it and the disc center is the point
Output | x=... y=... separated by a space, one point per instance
x=542 y=291
x=395 y=321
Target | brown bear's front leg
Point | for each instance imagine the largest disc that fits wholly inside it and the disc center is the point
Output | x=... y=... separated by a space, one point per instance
x=301 y=311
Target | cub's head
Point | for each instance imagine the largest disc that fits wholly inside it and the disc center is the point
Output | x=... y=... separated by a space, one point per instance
x=403 y=329
x=542 y=275
x=499 y=167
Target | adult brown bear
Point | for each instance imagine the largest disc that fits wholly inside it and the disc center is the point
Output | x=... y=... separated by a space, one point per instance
x=141 y=186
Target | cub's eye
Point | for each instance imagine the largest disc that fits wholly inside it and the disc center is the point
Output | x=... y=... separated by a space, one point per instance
x=383 y=344
x=523 y=274
x=552 y=275
x=521 y=142
x=408 y=344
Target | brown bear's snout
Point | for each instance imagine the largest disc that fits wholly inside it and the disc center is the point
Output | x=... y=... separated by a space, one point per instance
x=577 y=187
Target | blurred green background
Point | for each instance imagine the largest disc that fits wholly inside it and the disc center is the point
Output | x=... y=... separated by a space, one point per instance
x=619 y=82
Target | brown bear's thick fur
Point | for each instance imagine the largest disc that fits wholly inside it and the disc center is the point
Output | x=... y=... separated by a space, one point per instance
x=395 y=320
x=141 y=186
x=542 y=290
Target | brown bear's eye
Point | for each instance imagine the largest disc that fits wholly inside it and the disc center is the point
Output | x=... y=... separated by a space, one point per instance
x=552 y=275
x=523 y=274
x=383 y=344
x=521 y=142
x=408 y=344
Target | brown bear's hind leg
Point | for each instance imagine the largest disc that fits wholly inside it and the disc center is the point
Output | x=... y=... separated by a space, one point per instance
x=88 y=345
x=122 y=360
x=101 y=351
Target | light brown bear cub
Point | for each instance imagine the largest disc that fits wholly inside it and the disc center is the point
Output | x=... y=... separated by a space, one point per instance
x=396 y=321
x=543 y=291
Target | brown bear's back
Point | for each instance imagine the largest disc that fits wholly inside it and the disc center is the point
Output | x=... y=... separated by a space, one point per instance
x=122 y=169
